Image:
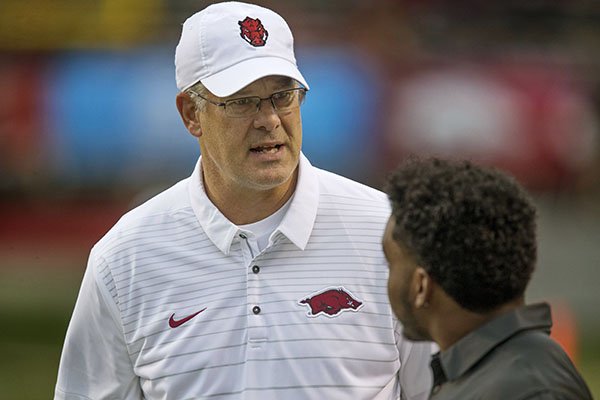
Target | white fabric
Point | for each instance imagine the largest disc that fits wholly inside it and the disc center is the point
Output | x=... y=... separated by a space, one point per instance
x=212 y=49
x=262 y=230
x=177 y=254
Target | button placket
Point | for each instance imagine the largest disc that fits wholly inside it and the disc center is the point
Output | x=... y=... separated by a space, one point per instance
x=257 y=333
x=256 y=295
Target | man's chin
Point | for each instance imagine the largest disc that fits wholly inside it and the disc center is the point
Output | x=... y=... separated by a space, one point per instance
x=415 y=336
x=273 y=178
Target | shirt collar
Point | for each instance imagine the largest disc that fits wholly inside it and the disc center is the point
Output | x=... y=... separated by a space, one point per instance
x=465 y=353
x=297 y=224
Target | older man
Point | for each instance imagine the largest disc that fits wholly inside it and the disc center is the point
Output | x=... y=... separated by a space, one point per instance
x=259 y=276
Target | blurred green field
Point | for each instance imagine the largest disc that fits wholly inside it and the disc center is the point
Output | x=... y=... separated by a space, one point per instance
x=35 y=306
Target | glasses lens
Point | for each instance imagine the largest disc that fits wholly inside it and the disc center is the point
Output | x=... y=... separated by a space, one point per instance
x=283 y=101
x=288 y=99
x=242 y=107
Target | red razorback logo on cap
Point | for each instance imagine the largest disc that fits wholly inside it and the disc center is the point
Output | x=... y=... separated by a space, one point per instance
x=253 y=31
x=331 y=302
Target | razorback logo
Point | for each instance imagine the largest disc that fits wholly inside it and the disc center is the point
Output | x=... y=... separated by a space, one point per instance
x=253 y=31
x=331 y=302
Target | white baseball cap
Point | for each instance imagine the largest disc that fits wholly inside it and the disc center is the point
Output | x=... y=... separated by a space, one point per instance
x=227 y=46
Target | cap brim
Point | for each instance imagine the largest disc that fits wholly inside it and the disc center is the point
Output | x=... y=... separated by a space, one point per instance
x=235 y=78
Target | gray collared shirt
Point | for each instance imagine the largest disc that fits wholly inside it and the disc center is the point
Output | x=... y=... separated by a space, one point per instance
x=511 y=357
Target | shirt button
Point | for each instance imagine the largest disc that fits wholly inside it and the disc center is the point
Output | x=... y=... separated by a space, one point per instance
x=256 y=269
x=243 y=236
x=256 y=310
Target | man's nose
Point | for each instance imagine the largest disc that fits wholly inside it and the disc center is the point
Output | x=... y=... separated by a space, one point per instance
x=267 y=117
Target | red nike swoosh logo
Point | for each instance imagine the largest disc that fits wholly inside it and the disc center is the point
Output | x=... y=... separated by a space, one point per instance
x=175 y=323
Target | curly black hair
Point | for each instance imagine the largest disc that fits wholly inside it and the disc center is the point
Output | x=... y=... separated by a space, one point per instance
x=471 y=227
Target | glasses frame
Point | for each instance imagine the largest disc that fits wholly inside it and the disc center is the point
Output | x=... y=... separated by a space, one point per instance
x=301 y=92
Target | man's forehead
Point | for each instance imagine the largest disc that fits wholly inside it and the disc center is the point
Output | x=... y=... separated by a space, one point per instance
x=273 y=82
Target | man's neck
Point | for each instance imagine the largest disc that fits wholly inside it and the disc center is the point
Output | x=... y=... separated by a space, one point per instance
x=244 y=206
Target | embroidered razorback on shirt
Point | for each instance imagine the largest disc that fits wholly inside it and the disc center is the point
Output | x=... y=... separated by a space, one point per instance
x=331 y=302
x=253 y=31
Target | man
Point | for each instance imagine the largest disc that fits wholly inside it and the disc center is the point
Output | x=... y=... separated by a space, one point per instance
x=461 y=249
x=259 y=276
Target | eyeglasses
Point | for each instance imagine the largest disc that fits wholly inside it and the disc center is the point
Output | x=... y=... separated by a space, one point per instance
x=283 y=101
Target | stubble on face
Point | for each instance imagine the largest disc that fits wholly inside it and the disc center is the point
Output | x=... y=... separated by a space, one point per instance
x=411 y=328
x=401 y=266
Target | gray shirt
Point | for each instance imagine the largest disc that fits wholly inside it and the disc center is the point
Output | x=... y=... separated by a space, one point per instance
x=511 y=357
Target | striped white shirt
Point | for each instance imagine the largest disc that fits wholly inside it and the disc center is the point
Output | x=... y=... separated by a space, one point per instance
x=175 y=304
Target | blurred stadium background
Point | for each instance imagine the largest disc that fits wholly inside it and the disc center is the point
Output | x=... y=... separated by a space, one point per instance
x=89 y=129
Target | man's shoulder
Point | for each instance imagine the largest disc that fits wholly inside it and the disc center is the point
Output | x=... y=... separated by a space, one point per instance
x=159 y=210
x=334 y=185
x=528 y=364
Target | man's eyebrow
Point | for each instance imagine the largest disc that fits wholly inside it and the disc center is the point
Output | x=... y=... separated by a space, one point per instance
x=285 y=81
x=241 y=93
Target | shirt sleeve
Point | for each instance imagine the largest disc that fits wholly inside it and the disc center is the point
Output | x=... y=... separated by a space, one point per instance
x=95 y=363
x=415 y=374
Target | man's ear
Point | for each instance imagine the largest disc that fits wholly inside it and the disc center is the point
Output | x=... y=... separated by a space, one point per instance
x=187 y=110
x=422 y=286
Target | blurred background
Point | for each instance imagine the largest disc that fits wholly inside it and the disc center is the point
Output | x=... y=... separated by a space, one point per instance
x=89 y=129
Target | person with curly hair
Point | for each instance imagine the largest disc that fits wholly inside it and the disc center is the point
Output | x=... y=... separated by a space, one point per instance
x=461 y=249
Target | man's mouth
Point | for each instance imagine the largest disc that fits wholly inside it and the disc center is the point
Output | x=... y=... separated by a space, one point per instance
x=266 y=149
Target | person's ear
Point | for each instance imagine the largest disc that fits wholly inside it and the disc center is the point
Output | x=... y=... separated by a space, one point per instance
x=188 y=111
x=422 y=286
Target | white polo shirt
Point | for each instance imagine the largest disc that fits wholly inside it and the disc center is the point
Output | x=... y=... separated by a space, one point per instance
x=175 y=304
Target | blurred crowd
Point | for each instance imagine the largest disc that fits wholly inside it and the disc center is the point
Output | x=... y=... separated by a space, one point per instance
x=87 y=90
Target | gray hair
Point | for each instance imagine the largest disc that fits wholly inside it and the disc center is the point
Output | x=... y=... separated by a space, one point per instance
x=200 y=89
